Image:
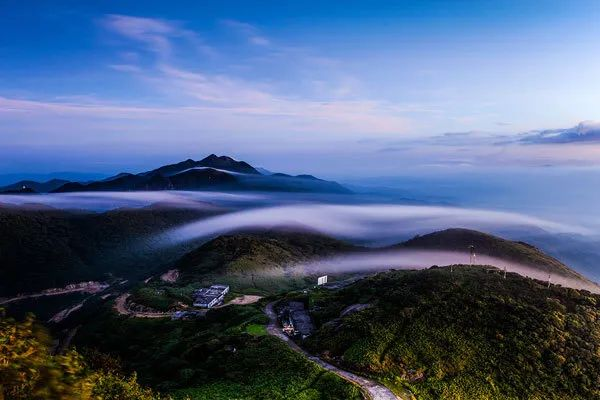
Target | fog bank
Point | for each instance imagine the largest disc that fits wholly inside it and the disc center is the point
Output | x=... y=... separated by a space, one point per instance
x=421 y=259
x=367 y=223
x=104 y=201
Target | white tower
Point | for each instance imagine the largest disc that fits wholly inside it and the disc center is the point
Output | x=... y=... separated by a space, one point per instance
x=472 y=255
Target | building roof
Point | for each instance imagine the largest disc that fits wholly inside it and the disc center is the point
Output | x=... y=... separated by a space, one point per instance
x=302 y=322
x=208 y=295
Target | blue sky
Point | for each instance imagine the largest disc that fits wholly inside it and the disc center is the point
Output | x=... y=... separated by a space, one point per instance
x=347 y=87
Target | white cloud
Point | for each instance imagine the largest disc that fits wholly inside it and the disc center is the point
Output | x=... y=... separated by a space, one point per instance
x=586 y=131
x=248 y=31
x=152 y=32
x=155 y=34
x=373 y=222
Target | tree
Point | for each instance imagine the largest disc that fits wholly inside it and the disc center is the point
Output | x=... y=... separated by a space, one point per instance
x=28 y=371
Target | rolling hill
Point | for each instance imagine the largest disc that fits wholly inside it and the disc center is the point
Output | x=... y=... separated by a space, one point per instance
x=467 y=334
x=252 y=254
x=41 y=247
x=257 y=261
x=520 y=252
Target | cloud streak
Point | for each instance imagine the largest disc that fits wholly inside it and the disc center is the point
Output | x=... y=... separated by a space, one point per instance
x=381 y=224
x=155 y=34
x=250 y=32
x=584 y=132
x=420 y=259
x=104 y=201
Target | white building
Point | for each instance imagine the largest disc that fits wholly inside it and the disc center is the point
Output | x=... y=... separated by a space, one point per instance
x=210 y=297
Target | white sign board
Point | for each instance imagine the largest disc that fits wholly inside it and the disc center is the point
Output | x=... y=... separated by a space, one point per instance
x=322 y=280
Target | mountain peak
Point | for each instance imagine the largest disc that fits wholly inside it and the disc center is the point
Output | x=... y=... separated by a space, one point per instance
x=228 y=163
x=213 y=156
x=212 y=172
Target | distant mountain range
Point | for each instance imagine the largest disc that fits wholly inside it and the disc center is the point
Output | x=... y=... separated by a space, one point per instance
x=211 y=173
x=30 y=186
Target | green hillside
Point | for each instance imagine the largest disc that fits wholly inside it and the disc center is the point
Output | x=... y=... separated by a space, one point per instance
x=42 y=248
x=257 y=261
x=467 y=334
x=217 y=358
x=486 y=244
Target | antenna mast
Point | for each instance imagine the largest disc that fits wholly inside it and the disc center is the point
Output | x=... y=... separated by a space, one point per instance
x=471 y=254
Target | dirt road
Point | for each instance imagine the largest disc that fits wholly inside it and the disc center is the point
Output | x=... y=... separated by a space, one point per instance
x=121 y=308
x=374 y=390
x=94 y=287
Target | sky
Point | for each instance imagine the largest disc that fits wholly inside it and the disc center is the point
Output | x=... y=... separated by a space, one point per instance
x=347 y=88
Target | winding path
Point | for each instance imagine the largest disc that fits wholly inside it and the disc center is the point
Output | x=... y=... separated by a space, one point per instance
x=95 y=287
x=373 y=389
x=121 y=307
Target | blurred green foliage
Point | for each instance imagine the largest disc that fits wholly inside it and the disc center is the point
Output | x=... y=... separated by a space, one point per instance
x=28 y=371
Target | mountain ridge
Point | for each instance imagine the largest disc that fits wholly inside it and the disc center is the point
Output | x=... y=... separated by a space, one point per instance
x=30 y=184
x=459 y=239
x=249 y=252
x=210 y=173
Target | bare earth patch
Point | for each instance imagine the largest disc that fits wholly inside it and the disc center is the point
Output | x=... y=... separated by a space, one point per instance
x=170 y=276
x=244 y=299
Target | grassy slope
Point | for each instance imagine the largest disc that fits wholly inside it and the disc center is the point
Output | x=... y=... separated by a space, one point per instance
x=256 y=263
x=196 y=358
x=49 y=248
x=465 y=335
x=461 y=239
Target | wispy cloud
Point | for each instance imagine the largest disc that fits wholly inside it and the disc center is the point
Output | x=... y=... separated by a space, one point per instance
x=87 y=108
x=586 y=131
x=125 y=67
x=248 y=31
x=154 y=33
x=222 y=98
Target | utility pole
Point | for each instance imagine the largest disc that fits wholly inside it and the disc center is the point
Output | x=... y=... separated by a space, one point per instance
x=471 y=255
x=504 y=271
x=549 y=276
